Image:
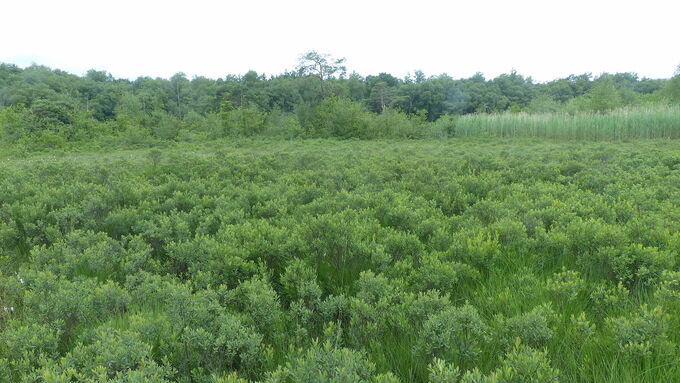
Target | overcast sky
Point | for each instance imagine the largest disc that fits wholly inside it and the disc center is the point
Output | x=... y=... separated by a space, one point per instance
x=544 y=39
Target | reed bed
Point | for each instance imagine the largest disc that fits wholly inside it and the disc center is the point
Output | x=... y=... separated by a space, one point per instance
x=630 y=123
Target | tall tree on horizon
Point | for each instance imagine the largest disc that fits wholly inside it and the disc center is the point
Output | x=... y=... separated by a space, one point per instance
x=322 y=66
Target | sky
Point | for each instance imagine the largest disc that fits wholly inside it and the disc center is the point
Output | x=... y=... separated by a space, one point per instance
x=544 y=39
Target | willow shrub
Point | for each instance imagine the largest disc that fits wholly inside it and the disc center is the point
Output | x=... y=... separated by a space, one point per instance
x=473 y=260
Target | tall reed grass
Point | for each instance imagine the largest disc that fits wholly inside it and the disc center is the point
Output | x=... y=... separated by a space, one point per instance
x=628 y=123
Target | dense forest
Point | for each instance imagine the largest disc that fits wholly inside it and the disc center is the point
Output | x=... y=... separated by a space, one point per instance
x=42 y=108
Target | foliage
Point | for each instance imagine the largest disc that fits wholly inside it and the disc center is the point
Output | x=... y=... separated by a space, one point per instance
x=456 y=333
x=326 y=363
x=442 y=372
x=42 y=108
x=524 y=364
x=565 y=286
x=627 y=123
x=641 y=334
x=532 y=328
x=263 y=259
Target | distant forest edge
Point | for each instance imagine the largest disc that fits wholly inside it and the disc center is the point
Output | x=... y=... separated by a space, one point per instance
x=46 y=108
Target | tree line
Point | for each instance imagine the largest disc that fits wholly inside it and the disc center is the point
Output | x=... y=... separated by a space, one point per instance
x=50 y=104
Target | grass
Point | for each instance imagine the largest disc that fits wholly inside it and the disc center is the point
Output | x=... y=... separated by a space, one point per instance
x=624 y=124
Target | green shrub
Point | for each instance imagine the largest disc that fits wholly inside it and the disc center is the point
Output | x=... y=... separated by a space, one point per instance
x=299 y=282
x=244 y=121
x=643 y=333
x=420 y=306
x=526 y=365
x=581 y=331
x=225 y=344
x=636 y=264
x=565 y=286
x=325 y=363
x=669 y=288
x=521 y=365
x=337 y=309
x=11 y=294
x=605 y=297
x=338 y=117
x=532 y=327
x=66 y=305
x=26 y=347
x=166 y=127
x=457 y=333
x=442 y=275
x=257 y=299
x=81 y=253
x=394 y=123
x=480 y=250
x=112 y=354
x=441 y=372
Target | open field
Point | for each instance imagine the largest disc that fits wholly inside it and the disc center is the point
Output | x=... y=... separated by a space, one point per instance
x=346 y=261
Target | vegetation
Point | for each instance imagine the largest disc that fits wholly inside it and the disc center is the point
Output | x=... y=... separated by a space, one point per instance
x=42 y=108
x=466 y=260
x=659 y=121
x=319 y=227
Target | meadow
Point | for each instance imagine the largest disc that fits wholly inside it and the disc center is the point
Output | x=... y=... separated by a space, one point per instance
x=461 y=259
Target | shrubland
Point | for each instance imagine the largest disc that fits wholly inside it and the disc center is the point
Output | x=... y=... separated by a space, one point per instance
x=464 y=259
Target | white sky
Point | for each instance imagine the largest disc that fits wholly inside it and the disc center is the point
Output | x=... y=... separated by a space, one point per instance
x=544 y=39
